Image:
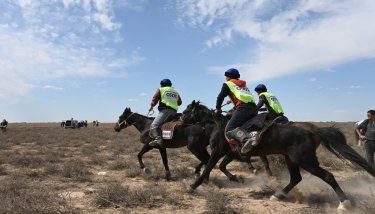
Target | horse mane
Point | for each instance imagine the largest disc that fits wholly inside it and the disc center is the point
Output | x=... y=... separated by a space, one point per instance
x=219 y=119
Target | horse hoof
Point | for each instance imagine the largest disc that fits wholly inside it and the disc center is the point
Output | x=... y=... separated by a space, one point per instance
x=344 y=206
x=206 y=180
x=197 y=175
x=278 y=196
x=168 y=176
x=233 y=178
x=146 y=170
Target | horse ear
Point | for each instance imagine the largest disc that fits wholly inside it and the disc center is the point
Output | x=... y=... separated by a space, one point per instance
x=193 y=103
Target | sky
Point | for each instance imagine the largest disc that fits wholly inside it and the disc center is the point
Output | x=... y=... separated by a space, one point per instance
x=90 y=59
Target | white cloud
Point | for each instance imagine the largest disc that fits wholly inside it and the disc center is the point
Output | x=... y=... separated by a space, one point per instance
x=355 y=87
x=291 y=36
x=312 y=79
x=53 y=87
x=46 y=40
x=143 y=94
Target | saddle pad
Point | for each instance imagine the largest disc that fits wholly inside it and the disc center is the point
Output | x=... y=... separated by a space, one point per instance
x=256 y=121
x=168 y=128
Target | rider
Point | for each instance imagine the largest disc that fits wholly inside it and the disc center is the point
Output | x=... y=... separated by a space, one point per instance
x=273 y=106
x=244 y=109
x=169 y=100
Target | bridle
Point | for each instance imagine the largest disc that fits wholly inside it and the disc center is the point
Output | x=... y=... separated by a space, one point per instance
x=126 y=122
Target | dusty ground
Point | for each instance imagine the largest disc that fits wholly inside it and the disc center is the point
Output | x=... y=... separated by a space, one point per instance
x=48 y=169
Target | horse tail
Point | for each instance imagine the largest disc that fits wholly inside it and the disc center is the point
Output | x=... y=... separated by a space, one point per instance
x=334 y=140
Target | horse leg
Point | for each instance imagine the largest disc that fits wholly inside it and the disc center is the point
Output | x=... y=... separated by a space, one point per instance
x=215 y=157
x=266 y=165
x=199 y=152
x=197 y=171
x=313 y=167
x=164 y=157
x=295 y=178
x=250 y=166
x=223 y=167
x=144 y=149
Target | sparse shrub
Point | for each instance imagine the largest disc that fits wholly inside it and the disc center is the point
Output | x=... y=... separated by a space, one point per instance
x=218 y=203
x=114 y=194
x=3 y=171
x=133 y=172
x=111 y=194
x=19 y=197
x=27 y=160
x=52 y=169
x=89 y=150
x=182 y=172
x=118 y=164
x=76 y=170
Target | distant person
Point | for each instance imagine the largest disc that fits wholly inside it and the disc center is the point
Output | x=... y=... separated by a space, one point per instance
x=356 y=136
x=366 y=132
x=4 y=123
x=271 y=103
x=169 y=100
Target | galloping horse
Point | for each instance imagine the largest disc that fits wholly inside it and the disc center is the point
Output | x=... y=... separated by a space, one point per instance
x=142 y=124
x=296 y=144
x=192 y=135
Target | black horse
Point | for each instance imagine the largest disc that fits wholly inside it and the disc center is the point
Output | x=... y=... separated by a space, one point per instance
x=194 y=136
x=296 y=144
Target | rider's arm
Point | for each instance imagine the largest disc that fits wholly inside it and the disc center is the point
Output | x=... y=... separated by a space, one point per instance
x=261 y=102
x=179 y=101
x=223 y=93
x=361 y=129
x=155 y=100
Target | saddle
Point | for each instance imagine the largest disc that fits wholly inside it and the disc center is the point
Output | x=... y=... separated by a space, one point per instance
x=257 y=123
x=168 y=128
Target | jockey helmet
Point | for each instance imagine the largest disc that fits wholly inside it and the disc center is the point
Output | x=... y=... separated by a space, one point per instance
x=232 y=73
x=261 y=88
x=165 y=82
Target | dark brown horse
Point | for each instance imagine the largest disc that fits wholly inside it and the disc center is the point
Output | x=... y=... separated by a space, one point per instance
x=296 y=144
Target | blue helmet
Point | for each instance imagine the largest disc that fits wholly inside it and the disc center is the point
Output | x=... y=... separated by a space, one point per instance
x=165 y=82
x=232 y=73
x=261 y=88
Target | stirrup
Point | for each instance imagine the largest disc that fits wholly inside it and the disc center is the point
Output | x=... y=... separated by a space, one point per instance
x=250 y=142
x=158 y=141
x=247 y=147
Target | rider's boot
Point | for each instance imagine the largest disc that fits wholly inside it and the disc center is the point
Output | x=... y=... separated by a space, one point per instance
x=251 y=141
x=158 y=140
x=239 y=134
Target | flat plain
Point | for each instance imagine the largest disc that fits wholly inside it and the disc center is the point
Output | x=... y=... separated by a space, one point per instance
x=48 y=169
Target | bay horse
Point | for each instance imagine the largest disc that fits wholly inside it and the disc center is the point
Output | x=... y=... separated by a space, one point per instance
x=296 y=144
x=191 y=135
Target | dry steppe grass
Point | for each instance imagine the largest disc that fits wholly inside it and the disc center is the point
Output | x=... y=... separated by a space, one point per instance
x=48 y=169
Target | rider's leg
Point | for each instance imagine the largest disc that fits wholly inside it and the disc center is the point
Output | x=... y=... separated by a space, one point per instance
x=155 y=131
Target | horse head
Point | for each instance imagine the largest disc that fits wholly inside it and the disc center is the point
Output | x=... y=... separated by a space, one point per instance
x=195 y=112
x=124 y=120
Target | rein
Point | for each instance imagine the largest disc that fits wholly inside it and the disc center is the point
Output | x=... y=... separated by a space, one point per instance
x=125 y=121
